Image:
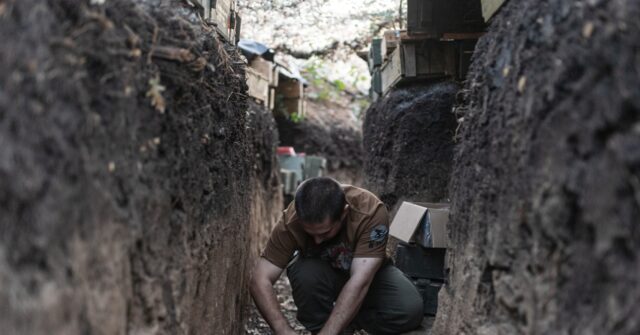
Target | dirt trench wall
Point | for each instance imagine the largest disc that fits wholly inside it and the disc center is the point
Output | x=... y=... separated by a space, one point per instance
x=267 y=201
x=128 y=176
x=545 y=189
x=408 y=141
x=330 y=131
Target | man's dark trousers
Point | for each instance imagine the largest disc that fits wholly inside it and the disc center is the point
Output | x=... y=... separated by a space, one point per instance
x=393 y=305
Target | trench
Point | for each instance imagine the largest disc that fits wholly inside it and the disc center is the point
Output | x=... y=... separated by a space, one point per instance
x=139 y=181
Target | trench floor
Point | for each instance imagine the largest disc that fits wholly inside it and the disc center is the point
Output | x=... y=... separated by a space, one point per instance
x=255 y=324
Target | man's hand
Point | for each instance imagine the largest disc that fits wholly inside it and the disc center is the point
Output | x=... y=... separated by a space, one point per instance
x=350 y=299
x=264 y=276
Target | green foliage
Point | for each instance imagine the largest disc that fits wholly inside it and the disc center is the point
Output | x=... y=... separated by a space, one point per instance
x=326 y=90
x=296 y=118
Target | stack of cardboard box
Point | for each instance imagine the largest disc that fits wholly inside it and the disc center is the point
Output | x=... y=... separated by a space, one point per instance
x=422 y=230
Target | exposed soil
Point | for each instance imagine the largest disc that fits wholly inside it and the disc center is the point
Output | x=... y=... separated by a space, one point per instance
x=128 y=173
x=255 y=324
x=408 y=140
x=267 y=198
x=546 y=181
x=329 y=130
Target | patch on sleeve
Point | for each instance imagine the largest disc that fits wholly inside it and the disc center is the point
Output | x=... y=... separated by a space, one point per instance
x=378 y=236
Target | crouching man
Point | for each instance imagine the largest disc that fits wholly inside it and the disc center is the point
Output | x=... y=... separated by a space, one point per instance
x=341 y=277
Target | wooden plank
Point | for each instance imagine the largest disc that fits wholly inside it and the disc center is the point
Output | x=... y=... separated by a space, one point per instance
x=221 y=15
x=465 y=52
x=206 y=4
x=409 y=58
x=390 y=41
x=394 y=37
x=258 y=86
x=238 y=27
x=490 y=7
x=276 y=76
x=375 y=54
x=436 y=17
x=451 y=59
x=461 y=36
x=272 y=98
x=436 y=58
x=391 y=71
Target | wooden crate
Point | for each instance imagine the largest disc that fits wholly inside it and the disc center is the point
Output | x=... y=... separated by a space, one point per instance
x=264 y=67
x=437 y=17
x=392 y=38
x=431 y=58
x=490 y=7
x=419 y=60
x=375 y=54
x=258 y=86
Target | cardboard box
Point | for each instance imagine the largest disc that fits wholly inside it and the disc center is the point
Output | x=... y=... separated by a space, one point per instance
x=422 y=223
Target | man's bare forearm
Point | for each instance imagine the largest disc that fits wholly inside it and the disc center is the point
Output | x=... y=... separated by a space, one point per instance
x=265 y=299
x=346 y=308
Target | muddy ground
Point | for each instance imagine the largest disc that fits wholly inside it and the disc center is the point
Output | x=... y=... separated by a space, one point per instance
x=131 y=173
x=545 y=186
x=328 y=129
x=408 y=141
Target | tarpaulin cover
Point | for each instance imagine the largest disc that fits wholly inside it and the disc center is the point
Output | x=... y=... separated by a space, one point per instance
x=251 y=49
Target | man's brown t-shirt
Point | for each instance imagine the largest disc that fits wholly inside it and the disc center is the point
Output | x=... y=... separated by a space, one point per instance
x=364 y=233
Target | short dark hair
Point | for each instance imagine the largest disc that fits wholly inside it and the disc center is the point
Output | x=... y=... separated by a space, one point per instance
x=318 y=199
